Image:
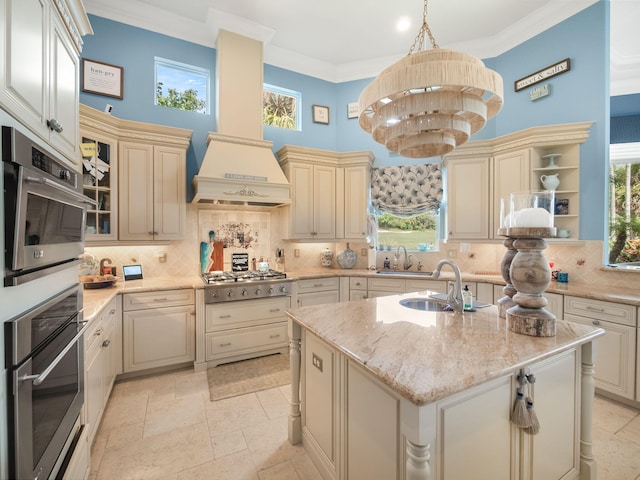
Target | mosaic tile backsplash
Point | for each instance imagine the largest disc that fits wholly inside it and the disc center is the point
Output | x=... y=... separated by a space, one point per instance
x=260 y=234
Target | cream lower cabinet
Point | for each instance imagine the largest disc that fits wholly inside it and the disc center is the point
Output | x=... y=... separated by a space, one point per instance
x=384 y=286
x=316 y=291
x=40 y=78
x=245 y=329
x=158 y=329
x=152 y=192
x=354 y=426
x=357 y=288
x=615 y=370
x=103 y=361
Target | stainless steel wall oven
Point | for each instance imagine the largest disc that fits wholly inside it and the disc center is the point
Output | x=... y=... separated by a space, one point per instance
x=43 y=209
x=45 y=383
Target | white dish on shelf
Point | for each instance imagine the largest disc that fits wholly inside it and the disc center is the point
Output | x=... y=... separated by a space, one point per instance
x=552 y=159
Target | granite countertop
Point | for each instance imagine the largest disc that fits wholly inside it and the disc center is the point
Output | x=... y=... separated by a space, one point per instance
x=95 y=300
x=427 y=356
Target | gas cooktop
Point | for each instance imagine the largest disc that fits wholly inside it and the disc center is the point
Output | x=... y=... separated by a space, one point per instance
x=223 y=278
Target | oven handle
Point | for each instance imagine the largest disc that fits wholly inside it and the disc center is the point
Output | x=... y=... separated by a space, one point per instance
x=39 y=378
x=67 y=190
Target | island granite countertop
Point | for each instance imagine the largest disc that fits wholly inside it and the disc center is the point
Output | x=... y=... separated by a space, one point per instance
x=427 y=356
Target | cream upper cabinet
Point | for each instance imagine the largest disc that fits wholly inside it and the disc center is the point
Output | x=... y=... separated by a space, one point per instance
x=329 y=191
x=468 y=193
x=152 y=189
x=141 y=195
x=357 y=184
x=39 y=83
x=482 y=175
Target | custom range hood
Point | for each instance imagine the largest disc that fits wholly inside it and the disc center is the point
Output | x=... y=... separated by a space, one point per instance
x=239 y=167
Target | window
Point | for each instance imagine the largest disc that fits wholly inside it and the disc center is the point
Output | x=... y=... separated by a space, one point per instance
x=181 y=86
x=624 y=205
x=418 y=233
x=407 y=200
x=280 y=107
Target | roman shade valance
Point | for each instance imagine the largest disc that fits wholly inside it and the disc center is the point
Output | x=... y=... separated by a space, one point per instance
x=406 y=191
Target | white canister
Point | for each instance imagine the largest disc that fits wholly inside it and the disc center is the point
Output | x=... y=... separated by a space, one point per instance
x=326 y=257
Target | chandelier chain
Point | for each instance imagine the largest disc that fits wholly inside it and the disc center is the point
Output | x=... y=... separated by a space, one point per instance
x=419 y=43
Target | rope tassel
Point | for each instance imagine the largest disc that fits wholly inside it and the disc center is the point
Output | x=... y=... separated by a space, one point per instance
x=520 y=416
x=534 y=427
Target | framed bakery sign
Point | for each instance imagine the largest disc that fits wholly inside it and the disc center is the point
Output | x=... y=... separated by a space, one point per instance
x=542 y=75
x=102 y=78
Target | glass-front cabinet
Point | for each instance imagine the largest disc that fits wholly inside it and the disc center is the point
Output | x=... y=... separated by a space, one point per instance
x=99 y=182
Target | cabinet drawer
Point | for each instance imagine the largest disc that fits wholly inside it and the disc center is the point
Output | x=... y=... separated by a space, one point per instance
x=599 y=310
x=245 y=340
x=357 y=283
x=387 y=284
x=222 y=316
x=157 y=299
x=432 y=285
x=318 y=284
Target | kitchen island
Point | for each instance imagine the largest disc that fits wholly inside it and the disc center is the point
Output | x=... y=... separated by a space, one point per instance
x=381 y=391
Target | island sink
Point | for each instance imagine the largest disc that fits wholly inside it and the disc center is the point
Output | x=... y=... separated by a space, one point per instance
x=425 y=304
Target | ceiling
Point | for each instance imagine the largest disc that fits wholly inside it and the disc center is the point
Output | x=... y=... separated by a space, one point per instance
x=342 y=40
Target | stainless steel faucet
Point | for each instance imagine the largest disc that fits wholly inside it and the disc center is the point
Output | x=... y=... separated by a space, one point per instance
x=407 y=258
x=454 y=296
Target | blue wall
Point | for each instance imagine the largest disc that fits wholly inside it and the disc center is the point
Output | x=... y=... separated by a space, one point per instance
x=578 y=95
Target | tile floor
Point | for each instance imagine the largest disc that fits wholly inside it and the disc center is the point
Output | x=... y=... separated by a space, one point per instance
x=164 y=427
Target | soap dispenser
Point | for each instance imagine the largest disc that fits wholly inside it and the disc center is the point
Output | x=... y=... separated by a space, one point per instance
x=467 y=298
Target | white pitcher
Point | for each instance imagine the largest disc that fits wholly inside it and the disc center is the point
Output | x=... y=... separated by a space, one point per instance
x=550 y=182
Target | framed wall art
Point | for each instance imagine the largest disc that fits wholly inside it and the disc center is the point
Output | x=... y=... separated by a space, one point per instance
x=102 y=78
x=321 y=114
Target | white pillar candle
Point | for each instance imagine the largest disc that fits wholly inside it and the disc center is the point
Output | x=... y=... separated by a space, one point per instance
x=532 y=217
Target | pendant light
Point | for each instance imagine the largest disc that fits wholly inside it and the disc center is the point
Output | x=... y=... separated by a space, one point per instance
x=431 y=101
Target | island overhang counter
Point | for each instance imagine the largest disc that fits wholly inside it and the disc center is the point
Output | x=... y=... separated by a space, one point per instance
x=384 y=391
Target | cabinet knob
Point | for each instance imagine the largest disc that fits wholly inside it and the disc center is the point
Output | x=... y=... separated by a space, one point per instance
x=596 y=322
x=54 y=125
x=106 y=343
x=64 y=174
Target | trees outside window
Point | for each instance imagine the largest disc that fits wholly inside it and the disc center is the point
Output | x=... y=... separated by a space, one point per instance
x=624 y=212
x=280 y=107
x=181 y=86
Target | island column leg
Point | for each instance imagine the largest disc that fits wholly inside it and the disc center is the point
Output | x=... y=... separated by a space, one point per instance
x=418 y=457
x=588 y=466
x=295 y=420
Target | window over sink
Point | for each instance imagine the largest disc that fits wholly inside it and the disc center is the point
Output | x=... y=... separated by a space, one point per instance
x=406 y=201
x=624 y=206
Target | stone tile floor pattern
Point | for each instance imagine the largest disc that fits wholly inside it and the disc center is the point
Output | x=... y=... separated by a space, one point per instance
x=164 y=427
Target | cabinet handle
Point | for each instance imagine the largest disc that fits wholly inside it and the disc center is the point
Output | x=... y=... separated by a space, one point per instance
x=273 y=310
x=106 y=343
x=164 y=299
x=274 y=336
x=98 y=332
x=111 y=312
x=224 y=316
x=225 y=344
x=596 y=322
x=595 y=309
x=317 y=285
x=54 y=125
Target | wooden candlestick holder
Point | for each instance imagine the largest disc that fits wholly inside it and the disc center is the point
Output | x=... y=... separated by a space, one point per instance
x=509 y=291
x=530 y=275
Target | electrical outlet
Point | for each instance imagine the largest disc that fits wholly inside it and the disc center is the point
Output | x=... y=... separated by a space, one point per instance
x=316 y=361
x=296 y=252
x=465 y=247
x=363 y=252
x=452 y=253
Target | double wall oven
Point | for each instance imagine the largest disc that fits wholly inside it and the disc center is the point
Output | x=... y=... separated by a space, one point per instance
x=44 y=210
x=44 y=219
x=45 y=391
